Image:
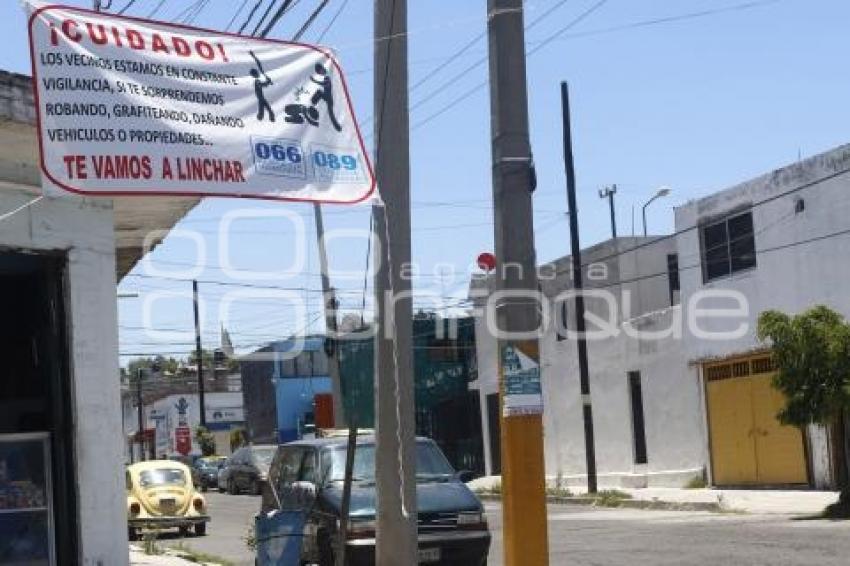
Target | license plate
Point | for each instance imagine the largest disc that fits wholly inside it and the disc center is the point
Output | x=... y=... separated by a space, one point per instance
x=167 y=502
x=427 y=555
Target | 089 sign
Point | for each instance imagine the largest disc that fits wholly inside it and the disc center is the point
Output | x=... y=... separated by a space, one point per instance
x=324 y=164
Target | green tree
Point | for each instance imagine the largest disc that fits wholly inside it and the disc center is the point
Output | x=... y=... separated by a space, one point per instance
x=812 y=354
x=206 y=440
x=166 y=365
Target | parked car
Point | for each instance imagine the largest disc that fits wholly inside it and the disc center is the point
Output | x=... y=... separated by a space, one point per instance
x=205 y=471
x=160 y=494
x=248 y=469
x=304 y=495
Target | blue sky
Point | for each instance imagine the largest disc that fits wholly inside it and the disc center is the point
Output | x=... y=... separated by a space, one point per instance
x=697 y=104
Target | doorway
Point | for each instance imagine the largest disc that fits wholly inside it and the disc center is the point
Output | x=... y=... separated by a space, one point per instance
x=749 y=446
x=37 y=483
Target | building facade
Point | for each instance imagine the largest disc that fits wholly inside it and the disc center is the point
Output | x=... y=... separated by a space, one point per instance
x=61 y=446
x=680 y=384
x=779 y=242
x=281 y=383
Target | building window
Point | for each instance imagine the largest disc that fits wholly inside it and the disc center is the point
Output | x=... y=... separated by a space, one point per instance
x=728 y=246
x=638 y=429
x=673 y=278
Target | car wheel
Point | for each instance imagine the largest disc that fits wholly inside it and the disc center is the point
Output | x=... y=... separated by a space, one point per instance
x=204 y=487
x=132 y=533
x=231 y=487
x=184 y=531
x=220 y=488
x=200 y=529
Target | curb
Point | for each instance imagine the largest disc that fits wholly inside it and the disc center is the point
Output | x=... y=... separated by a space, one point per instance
x=652 y=505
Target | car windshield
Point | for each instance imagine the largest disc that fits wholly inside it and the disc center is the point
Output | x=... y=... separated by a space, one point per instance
x=431 y=465
x=263 y=457
x=162 y=476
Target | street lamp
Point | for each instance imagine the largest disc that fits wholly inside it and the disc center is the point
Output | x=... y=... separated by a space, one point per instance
x=662 y=192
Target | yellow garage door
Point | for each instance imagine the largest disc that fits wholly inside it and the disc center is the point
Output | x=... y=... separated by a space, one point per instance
x=748 y=444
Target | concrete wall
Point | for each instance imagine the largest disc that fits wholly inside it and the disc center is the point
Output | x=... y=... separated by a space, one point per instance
x=801 y=261
x=671 y=393
x=83 y=229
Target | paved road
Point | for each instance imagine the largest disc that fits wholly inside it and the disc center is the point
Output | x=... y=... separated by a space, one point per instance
x=232 y=516
x=584 y=536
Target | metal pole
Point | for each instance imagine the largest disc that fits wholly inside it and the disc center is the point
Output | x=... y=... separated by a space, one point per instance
x=396 y=537
x=587 y=410
x=523 y=473
x=643 y=213
x=199 y=354
x=141 y=415
x=609 y=192
x=330 y=307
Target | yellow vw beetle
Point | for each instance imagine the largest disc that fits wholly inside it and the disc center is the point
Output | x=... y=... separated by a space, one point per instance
x=160 y=495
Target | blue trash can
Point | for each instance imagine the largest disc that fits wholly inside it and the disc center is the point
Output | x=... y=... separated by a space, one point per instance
x=279 y=537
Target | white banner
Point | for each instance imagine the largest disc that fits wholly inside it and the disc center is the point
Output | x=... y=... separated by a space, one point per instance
x=134 y=107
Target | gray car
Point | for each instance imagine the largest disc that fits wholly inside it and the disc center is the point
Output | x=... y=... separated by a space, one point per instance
x=247 y=469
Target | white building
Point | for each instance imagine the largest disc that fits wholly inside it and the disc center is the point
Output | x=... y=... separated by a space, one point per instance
x=780 y=240
x=172 y=419
x=60 y=420
x=679 y=393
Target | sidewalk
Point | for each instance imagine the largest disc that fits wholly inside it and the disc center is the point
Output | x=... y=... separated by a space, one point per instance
x=169 y=558
x=756 y=501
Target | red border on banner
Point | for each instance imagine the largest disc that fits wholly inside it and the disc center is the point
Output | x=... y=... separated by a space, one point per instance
x=159 y=192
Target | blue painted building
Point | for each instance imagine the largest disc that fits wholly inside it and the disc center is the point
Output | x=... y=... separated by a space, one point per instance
x=279 y=385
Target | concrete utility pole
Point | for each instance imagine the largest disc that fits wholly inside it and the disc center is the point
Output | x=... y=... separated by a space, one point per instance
x=523 y=474
x=394 y=403
x=199 y=354
x=330 y=306
x=578 y=285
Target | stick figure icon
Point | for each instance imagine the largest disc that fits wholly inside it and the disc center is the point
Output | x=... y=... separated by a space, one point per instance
x=322 y=79
x=263 y=105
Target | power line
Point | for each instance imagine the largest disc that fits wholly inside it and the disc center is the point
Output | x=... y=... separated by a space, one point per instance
x=127 y=7
x=560 y=35
x=723 y=216
x=310 y=20
x=333 y=20
x=266 y=15
x=236 y=15
x=284 y=9
x=191 y=19
x=459 y=53
x=672 y=19
x=251 y=15
x=157 y=8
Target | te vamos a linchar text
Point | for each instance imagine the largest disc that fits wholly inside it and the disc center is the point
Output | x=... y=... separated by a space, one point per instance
x=143 y=167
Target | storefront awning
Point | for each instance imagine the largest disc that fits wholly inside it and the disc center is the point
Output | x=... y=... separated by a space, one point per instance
x=135 y=218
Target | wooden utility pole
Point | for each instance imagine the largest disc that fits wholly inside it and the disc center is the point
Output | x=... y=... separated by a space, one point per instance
x=523 y=474
x=396 y=537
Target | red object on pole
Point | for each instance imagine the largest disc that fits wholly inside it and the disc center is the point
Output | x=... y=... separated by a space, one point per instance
x=324 y=410
x=487 y=261
x=183 y=440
